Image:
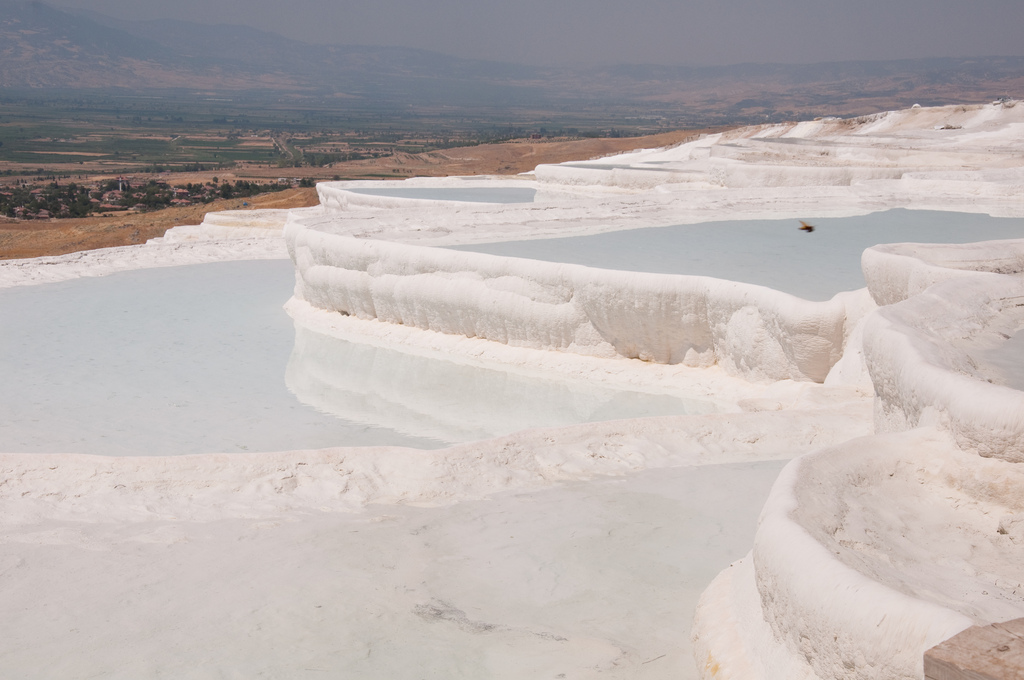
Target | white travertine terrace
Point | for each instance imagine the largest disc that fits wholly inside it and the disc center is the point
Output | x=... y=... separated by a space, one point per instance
x=883 y=537
x=869 y=553
x=232 y=224
x=747 y=330
x=862 y=560
x=963 y=158
x=919 y=355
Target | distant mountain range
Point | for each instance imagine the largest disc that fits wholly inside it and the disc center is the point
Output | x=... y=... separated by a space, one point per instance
x=44 y=48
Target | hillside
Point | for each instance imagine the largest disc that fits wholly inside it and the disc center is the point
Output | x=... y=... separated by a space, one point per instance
x=45 y=49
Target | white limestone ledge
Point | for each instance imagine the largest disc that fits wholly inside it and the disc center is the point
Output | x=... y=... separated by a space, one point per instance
x=236 y=224
x=869 y=553
x=897 y=271
x=750 y=331
x=920 y=357
x=969 y=149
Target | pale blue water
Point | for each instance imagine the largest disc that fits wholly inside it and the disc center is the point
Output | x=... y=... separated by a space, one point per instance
x=193 y=359
x=159 y=362
x=454 y=402
x=772 y=253
x=467 y=194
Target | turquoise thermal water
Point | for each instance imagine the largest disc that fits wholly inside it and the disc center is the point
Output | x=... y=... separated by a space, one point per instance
x=464 y=194
x=772 y=253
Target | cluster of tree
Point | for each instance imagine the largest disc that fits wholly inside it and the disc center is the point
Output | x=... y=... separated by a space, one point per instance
x=243 y=189
x=322 y=160
x=41 y=174
x=29 y=201
x=155 y=195
x=613 y=133
x=69 y=200
x=184 y=167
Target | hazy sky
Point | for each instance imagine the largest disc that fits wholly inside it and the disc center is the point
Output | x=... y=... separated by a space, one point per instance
x=572 y=32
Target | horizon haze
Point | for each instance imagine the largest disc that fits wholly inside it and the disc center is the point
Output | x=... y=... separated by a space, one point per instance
x=57 y=52
x=657 y=32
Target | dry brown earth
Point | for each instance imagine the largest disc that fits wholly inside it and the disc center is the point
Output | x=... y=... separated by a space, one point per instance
x=34 y=238
x=508 y=158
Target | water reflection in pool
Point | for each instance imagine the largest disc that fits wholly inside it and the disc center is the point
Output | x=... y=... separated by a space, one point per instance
x=452 y=402
x=160 y=362
x=192 y=359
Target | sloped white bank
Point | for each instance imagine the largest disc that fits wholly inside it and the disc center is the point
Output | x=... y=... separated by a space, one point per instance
x=872 y=552
x=234 y=224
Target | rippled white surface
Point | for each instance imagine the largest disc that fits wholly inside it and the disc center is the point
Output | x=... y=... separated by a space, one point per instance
x=772 y=253
x=514 y=586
